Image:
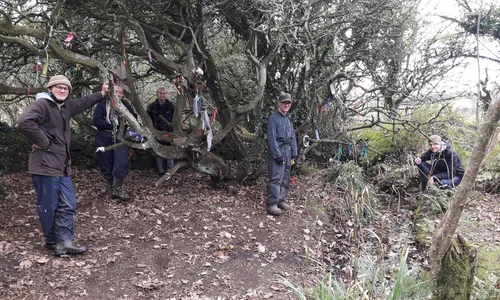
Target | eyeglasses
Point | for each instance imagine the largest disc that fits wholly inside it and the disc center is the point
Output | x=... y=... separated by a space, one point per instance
x=286 y=102
x=62 y=88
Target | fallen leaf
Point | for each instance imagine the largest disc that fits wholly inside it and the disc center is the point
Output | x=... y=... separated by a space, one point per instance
x=42 y=260
x=6 y=248
x=80 y=263
x=25 y=264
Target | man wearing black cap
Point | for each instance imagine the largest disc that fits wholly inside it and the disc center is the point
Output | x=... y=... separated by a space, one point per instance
x=445 y=166
x=282 y=148
x=45 y=123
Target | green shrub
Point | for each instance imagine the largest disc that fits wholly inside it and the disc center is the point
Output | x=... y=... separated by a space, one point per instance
x=450 y=125
x=369 y=285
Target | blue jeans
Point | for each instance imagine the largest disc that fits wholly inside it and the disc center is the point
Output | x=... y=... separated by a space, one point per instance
x=56 y=205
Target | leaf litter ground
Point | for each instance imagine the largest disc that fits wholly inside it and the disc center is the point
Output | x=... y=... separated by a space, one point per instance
x=183 y=240
x=187 y=240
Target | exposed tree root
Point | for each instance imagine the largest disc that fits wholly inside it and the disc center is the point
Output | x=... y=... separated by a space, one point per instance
x=168 y=175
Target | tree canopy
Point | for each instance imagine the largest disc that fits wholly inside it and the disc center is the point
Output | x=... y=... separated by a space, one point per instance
x=360 y=61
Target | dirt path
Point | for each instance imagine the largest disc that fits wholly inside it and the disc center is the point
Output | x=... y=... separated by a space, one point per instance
x=184 y=240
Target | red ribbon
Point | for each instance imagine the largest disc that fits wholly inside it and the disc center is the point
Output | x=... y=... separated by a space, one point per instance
x=150 y=57
x=124 y=53
x=214 y=113
x=27 y=95
x=69 y=37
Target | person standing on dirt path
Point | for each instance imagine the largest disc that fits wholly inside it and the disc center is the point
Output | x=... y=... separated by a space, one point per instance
x=282 y=151
x=45 y=123
x=161 y=112
x=113 y=163
x=445 y=167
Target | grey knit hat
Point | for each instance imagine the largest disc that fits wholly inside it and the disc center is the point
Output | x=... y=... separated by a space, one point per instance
x=59 y=79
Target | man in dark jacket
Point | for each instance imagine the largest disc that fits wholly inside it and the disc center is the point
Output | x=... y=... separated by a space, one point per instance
x=113 y=163
x=161 y=112
x=45 y=123
x=282 y=148
x=444 y=168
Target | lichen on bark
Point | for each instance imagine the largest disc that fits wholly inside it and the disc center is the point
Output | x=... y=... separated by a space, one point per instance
x=456 y=275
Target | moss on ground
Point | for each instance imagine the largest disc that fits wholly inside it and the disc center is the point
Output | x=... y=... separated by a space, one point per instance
x=424 y=231
x=488 y=262
x=488 y=273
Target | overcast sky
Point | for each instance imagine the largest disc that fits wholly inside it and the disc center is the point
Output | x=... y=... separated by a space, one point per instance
x=465 y=77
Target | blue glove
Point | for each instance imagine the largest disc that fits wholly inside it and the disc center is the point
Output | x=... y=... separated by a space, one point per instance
x=279 y=160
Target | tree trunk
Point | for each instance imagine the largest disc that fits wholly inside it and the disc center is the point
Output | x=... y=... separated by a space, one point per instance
x=456 y=276
x=446 y=229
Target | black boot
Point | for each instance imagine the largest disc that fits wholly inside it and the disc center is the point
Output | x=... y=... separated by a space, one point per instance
x=67 y=247
x=118 y=192
x=50 y=246
x=159 y=165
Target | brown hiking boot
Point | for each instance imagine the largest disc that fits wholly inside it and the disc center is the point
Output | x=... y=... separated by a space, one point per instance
x=274 y=210
x=284 y=206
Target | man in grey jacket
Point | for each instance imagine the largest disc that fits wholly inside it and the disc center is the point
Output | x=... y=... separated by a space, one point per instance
x=282 y=148
x=45 y=123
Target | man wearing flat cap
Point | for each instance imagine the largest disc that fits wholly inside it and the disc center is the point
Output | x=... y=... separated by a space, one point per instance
x=444 y=166
x=282 y=151
x=45 y=123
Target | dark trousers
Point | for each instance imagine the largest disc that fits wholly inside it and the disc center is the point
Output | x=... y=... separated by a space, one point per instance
x=278 y=184
x=56 y=205
x=112 y=163
x=425 y=169
x=159 y=163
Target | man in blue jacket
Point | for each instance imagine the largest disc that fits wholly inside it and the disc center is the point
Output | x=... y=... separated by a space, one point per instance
x=282 y=149
x=45 y=123
x=113 y=163
x=445 y=167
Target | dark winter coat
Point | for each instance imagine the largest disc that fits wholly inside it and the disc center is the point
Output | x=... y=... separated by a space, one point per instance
x=445 y=164
x=279 y=133
x=46 y=124
x=104 y=134
x=155 y=110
